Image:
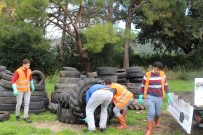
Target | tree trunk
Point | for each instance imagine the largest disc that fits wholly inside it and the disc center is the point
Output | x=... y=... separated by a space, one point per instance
x=127 y=39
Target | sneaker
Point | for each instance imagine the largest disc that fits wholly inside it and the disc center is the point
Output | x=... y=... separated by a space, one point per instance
x=27 y=120
x=18 y=118
x=103 y=130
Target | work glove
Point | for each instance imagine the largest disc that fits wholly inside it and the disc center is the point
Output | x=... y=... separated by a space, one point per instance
x=15 y=91
x=85 y=120
x=140 y=100
x=170 y=98
x=32 y=85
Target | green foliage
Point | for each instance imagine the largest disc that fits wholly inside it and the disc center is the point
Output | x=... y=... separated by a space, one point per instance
x=99 y=35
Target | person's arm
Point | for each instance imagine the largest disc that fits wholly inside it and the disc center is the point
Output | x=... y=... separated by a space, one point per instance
x=142 y=85
x=14 y=77
x=166 y=88
x=13 y=82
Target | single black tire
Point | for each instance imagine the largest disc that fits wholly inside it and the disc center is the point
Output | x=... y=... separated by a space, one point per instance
x=6 y=94
x=36 y=98
x=55 y=97
x=123 y=80
x=65 y=80
x=2 y=89
x=39 y=87
x=135 y=80
x=113 y=78
x=7 y=107
x=65 y=115
x=135 y=75
x=70 y=74
x=9 y=72
x=8 y=100
x=35 y=105
x=46 y=102
x=2 y=68
x=106 y=71
x=38 y=76
x=6 y=84
x=6 y=76
x=4 y=115
x=37 y=111
x=135 y=69
x=39 y=93
x=64 y=86
x=64 y=99
x=121 y=75
x=69 y=68
x=53 y=107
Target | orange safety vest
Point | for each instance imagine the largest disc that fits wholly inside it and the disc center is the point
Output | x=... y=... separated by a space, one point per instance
x=148 y=75
x=23 y=83
x=122 y=96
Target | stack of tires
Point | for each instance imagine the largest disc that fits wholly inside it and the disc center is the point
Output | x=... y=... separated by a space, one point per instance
x=7 y=100
x=107 y=73
x=134 y=77
x=134 y=80
x=121 y=75
x=78 y=101
x=39 y=100
x=69 y=77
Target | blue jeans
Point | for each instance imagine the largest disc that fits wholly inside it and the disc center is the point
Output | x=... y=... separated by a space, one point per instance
x=154 y=105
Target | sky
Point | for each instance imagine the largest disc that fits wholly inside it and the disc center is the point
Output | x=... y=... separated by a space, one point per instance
x=55 y=32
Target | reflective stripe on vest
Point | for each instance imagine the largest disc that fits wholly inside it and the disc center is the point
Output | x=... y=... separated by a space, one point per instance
x=148 y=75
x=23 y=82
x=122 y=96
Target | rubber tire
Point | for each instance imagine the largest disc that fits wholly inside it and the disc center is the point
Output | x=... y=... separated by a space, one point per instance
x=4 y=115
x=113 y=78
x=106 y=71
x=6 y=84
x=64 y=80
x=40 y=78
x=69 y=74
x=69 y=68
x=53 y=107
x=6 y=76
x=78 y=99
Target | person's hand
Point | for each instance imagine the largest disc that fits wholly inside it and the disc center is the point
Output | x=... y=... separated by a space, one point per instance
x=85 y=120
x=15 y=91
x=170 y=98
x=140 y=100
x=32 y=85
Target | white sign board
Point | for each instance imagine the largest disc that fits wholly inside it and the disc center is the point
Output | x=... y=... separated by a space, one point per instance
x=198 y=92
x=182 y=112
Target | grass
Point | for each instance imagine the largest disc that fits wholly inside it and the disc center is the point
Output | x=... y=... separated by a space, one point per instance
x=11 y=127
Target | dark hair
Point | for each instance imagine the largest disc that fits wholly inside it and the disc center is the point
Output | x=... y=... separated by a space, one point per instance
x=25 y=61
x=158 y=65
x=108 y=82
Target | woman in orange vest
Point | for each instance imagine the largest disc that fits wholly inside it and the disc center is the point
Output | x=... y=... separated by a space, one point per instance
x=21 y=83
x=153 y=88
x=122 y=98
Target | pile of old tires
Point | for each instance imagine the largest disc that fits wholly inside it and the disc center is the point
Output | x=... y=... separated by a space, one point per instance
x=69 y=77
x=38 y=101
x=107 y=73
x=134 y=79
x=121 y=75
x=68 y=99
x=7 y=100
